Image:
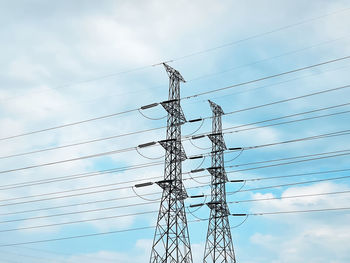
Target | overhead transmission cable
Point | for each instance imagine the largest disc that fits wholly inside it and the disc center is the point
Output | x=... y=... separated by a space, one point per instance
x=187 y=97
x=228 y=113
x=288 y=197
x=265 y=78
x=206 y=50
x=312 y=74
x=153 y=202
x=201 y=186
x=126 y=187
x=51 y=180
x=259 y=35
x=267 y=59
x=153 y=143
x=152 y=227
x=158 y=163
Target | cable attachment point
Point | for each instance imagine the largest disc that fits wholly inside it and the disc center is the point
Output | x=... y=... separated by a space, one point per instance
x=239 y=215
x=195 y=157
x=236 y=181
x=197 y=170
x=149 y=106
x=235 y=149
x=197 y=137
x=196 y=205
x=195 y=120
x=143 y=184
x=146 y=144
x=196 y=196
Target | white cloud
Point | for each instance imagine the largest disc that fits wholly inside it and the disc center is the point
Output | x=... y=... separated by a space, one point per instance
x=48 y=45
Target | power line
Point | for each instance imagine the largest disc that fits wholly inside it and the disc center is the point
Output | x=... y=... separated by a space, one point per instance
x=285 y=122
x=299 y=174
x=68 y=124
x=188 y=97
x=148 y=194
x=321 y=136
x=290 y=184
x=120 y=188
x=153 y=202
x=226 y=130
x=283 y=185
x=141 y=166
x=154 y=211
x=312 y=74
x=33 y=257
x=203 y=51
x=258 y=35
x=76 y=159
x=282 y=176
x=252 y=63
x=228 y=113
x=81 y=143
x=115 y=199
x=69 y=191
x=79 y=204
x=69 y=177
x=344 y=132
x=300 y=211
x=84 y=175
x=287 y=163
x=267 y=59
x=289 y=158
x=189 y=137
x=66 y=254
x=152 y=227
x=78 y=236
x=289 y=99
x=77 y=221
x=288 y=197
x=265 y=78
x=339 y=153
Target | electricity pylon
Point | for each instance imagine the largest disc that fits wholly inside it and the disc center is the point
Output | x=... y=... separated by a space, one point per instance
x=218 y=247
x=171 y=242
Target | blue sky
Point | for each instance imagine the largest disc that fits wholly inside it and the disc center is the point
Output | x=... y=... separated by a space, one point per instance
x=61 y=63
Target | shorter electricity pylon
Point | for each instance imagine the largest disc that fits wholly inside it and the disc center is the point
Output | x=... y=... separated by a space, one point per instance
x=219 y=246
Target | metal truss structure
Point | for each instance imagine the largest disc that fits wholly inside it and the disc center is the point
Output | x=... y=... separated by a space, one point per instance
x=171 y=242
x=219 y=246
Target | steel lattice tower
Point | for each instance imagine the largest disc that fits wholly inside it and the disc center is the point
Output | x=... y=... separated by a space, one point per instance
x=171 y=242
x=218 y=247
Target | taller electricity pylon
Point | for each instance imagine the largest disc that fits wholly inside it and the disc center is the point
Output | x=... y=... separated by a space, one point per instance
x=171 y=242
x=218 y=247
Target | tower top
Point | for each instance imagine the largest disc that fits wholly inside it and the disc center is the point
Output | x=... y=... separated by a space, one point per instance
x=217 y=110
x=173 y=73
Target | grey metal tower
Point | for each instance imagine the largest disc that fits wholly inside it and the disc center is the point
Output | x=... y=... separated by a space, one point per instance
x=218 y=247
x=171 y=242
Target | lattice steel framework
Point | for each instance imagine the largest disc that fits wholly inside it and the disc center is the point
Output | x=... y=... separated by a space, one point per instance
x=219 y=246
x=171 y=242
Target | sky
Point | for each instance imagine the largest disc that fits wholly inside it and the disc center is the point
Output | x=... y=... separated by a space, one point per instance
x=67 y=61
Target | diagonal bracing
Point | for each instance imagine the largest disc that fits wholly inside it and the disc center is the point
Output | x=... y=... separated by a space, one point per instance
x=218 y=247
x=171 y=242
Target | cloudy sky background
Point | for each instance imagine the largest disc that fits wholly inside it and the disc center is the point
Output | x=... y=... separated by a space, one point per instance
x=73 y=60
